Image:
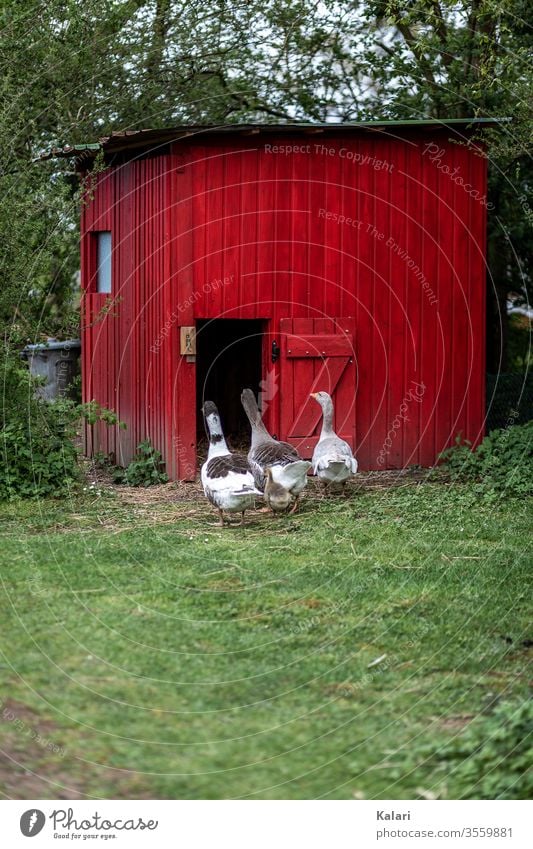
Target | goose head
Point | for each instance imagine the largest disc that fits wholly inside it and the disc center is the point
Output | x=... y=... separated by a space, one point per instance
x=326 y=403
x=213 y=425
x=276 y=496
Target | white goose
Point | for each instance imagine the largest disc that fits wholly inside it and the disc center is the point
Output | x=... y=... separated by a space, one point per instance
x=226 y=477
x=287 y=469
x=333 y=460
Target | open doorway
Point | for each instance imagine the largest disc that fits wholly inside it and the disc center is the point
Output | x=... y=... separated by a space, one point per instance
x=228 y=358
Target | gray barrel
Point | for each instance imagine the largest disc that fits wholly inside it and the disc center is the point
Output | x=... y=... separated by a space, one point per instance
x=57 y=362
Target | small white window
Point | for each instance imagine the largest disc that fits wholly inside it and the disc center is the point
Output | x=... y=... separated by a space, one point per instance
x=103 y=259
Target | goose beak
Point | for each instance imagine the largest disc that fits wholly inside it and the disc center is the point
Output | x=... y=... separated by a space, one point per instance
x=313 y=395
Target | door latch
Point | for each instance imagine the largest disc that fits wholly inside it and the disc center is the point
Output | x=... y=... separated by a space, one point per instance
x=275 y=351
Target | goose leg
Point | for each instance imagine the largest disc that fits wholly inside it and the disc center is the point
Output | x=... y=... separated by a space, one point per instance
x=295 y=505
x=242 y=518
x=221 y=514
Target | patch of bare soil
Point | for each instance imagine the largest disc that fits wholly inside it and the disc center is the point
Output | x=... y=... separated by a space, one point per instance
x=456 y=723
x=36 y=763
x=191 y=493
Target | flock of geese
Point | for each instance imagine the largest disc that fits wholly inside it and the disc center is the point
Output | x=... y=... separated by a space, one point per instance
x=273 y=470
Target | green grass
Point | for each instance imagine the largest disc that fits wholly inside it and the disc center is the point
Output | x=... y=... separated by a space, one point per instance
x=165 y=657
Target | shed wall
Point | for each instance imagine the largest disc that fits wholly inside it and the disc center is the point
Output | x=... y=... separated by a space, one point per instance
x=235 y=228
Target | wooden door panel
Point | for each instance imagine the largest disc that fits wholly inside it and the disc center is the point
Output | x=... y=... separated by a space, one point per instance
x=309 y=414
x=299 y=347
x=316 y=355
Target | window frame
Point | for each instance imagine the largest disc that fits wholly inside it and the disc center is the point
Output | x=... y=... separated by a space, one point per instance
x=102 y=264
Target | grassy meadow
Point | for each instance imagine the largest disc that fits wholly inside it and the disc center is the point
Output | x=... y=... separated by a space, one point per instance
x=146 y=652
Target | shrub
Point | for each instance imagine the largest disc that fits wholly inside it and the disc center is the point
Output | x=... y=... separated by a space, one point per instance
x=491 y=759
x=145 y=470
x=37 y=455
x=503 y=462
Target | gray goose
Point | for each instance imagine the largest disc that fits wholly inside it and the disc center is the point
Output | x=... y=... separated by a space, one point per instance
x=226 y=477
x=333 y=460
x=286 y=468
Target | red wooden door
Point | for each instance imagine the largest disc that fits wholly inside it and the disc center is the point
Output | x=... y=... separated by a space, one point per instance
x=317 y=354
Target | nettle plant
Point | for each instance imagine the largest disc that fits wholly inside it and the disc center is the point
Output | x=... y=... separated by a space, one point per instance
x=491 y=759
x=146 y=469
x=502 y=463
x=38 y=456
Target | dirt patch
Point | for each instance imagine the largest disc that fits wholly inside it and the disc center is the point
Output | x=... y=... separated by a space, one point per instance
x=310 y=602
x=178 y=492
x=36 y=762
x=456 y=723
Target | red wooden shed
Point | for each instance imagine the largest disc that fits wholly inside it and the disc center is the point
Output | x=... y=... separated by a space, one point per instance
x=294 y=258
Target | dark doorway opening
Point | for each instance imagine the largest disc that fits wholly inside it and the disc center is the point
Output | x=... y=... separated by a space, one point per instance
x=228 y=358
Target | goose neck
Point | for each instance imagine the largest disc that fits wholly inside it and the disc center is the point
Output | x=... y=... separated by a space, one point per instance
x=327 y=417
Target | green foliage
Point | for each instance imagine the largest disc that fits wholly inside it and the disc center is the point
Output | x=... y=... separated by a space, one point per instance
x=145 y=470
x=520 y=347
x=94 y=412
x=492 y=757
x=502 y=463
x=102 y=460
x=37 y=455
x=73 y=71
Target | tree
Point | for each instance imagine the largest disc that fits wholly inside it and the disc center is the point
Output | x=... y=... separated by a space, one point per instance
x=466 y=59
x=73 y=70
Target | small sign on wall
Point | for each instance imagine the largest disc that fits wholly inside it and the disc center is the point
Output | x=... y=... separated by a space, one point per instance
x=188 y=341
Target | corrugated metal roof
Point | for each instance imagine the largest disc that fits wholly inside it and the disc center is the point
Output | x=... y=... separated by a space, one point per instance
x=122 y=139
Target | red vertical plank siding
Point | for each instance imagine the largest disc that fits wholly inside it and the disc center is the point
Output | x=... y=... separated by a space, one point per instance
x=97 y=330
x=419 y=244
x=281 y=292
x=445 y=348
x=187 y=287
x=424 y=375
x=263 y=282
x=238 y=229
x=477 y=235
x=126 y=234
x=241 y=292
x=298 y=191
x=168 y=304
x=362 y=207
x=318 y=225
x=459 y=331
x=384 y=367
x=397 y=285
x=223 y=226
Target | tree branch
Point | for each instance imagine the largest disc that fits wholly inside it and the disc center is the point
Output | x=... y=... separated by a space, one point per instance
x=441 y=30
x=418 y=53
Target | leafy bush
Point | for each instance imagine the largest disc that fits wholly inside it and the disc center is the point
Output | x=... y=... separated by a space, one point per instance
x=491 y=759
x=93 y=412
x=145 y=470
x=503 y=462
x=37 y=453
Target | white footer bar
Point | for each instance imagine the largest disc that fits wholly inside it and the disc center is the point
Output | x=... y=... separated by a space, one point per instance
x=266 y=824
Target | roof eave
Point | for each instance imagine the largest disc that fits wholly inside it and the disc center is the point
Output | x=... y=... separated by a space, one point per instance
x=135 y=139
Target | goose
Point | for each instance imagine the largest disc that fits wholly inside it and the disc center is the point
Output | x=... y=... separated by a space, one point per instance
x=333 y=460
x=226 y=477
x=276 y=496
x=287 y=469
